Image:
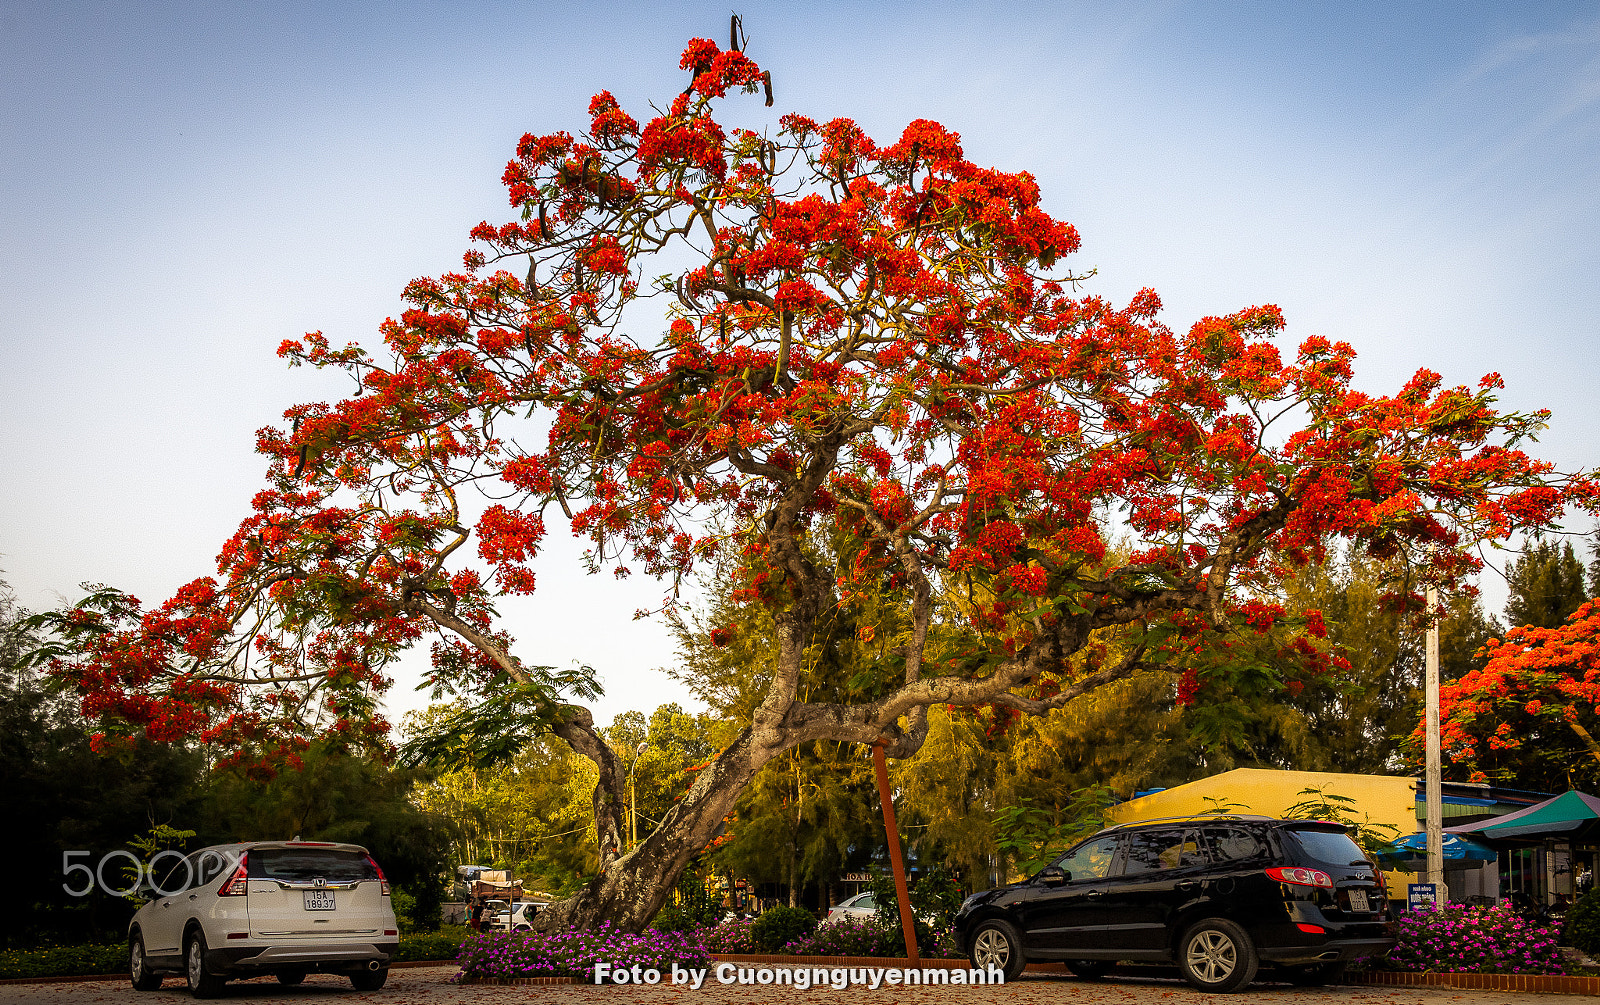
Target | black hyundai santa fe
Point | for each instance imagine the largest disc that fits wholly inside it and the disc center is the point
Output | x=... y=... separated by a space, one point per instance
x=1216 y=895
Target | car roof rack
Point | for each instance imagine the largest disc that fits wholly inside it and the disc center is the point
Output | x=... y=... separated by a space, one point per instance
x=1190 y=818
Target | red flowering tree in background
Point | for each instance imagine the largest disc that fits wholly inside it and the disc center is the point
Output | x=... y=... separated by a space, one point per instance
x=874 y=346
x=1529 y=715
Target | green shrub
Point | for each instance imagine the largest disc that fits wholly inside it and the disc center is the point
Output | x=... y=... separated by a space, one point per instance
x=1583 y=923
x=690 y=907
x=781 y=926
x=445 y=944
x=64 y=961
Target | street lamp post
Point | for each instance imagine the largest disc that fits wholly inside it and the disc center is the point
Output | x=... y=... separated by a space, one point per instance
x=633 y=796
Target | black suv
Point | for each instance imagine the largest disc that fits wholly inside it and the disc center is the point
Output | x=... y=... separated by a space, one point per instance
x=1217 y=895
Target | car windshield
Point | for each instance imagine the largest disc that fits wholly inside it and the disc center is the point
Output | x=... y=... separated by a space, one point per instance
x=291 y=864
x=1330 y=847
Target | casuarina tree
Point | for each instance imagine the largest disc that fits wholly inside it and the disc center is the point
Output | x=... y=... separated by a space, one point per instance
x=696 y=341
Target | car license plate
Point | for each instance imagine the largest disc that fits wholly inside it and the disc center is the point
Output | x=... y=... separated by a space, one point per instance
x=1358 y=902
x=319 y=900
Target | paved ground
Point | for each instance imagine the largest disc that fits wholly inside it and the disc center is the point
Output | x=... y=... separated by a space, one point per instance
x=430 y=986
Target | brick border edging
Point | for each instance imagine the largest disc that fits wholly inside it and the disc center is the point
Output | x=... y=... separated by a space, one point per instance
x=1547 y=984
x=887 y=962
x=518 y=981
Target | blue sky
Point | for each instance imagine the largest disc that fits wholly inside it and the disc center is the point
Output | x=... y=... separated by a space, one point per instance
x=183 y=186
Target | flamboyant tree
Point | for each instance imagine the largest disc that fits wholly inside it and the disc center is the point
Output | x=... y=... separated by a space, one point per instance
x=698 y=341
x=1531 y=713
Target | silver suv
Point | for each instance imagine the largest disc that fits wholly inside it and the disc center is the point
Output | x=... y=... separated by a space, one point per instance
x=286 y=908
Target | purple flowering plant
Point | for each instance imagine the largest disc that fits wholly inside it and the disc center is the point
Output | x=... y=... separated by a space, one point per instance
x=1473 y=940
x=735 y=937
x=868 y=937
x=574 y=952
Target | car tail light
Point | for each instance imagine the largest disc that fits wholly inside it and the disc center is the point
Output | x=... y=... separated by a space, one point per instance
x=1313 y=929
x=237 y=884
x=383 y=884
x=1297 y=876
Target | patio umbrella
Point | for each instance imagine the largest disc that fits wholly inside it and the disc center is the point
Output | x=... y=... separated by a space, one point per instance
x=1570 y=813
x=1455 y=847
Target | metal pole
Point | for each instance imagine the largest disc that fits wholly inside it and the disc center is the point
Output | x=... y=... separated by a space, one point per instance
x=1434 y=793
x=908 y=925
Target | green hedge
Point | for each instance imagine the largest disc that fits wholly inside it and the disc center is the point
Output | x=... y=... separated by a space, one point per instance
x=63 y=961
x=84 y=961
x=445 y=944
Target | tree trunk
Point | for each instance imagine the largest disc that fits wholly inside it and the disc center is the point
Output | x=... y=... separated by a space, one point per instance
x=631 y=888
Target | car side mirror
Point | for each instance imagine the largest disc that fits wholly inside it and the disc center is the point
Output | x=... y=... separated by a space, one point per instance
x=1054 y=876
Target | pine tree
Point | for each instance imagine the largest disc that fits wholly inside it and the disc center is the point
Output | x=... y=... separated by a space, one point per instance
x=1547 y=585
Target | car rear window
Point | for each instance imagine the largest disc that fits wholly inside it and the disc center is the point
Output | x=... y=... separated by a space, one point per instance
x=1329 y=847
x=310 y=863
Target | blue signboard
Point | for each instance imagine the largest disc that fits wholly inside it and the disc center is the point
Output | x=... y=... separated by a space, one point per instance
x=1419 y=894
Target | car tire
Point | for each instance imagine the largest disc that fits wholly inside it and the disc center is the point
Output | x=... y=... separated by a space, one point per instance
x=139 y=967
x=369 y=980
x=1316 y=974
x=1217 y=956
x=995 y=943
x=202 y=982
x=1091 y=970
x=291 y=977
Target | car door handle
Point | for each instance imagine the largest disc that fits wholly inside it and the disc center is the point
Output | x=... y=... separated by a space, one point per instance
x=1189 y=884
x=192 y=896
x=1091 y=894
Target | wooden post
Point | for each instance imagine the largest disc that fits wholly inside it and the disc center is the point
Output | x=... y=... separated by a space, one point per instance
x=908 y=924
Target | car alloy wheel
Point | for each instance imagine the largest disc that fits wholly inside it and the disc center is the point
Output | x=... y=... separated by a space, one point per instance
x=202 y=983
x=991 y=950
x=1217 y=956
x=139 y=968
x=1212 y=956
x=996 y=944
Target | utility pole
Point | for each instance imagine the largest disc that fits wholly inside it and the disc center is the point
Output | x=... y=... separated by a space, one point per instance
x=1434 y=788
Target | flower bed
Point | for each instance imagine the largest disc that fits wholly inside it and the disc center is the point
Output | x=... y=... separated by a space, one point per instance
x=1477 y=940
x=849 y=937
x=499 y=956
x=730 y=937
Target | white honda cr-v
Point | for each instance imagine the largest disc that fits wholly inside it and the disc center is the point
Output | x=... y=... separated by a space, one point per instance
x=285 y=908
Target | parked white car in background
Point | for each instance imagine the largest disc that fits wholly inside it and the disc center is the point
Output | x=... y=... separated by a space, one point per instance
x=518 y=919
x=286 y=908
x=861 y=906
